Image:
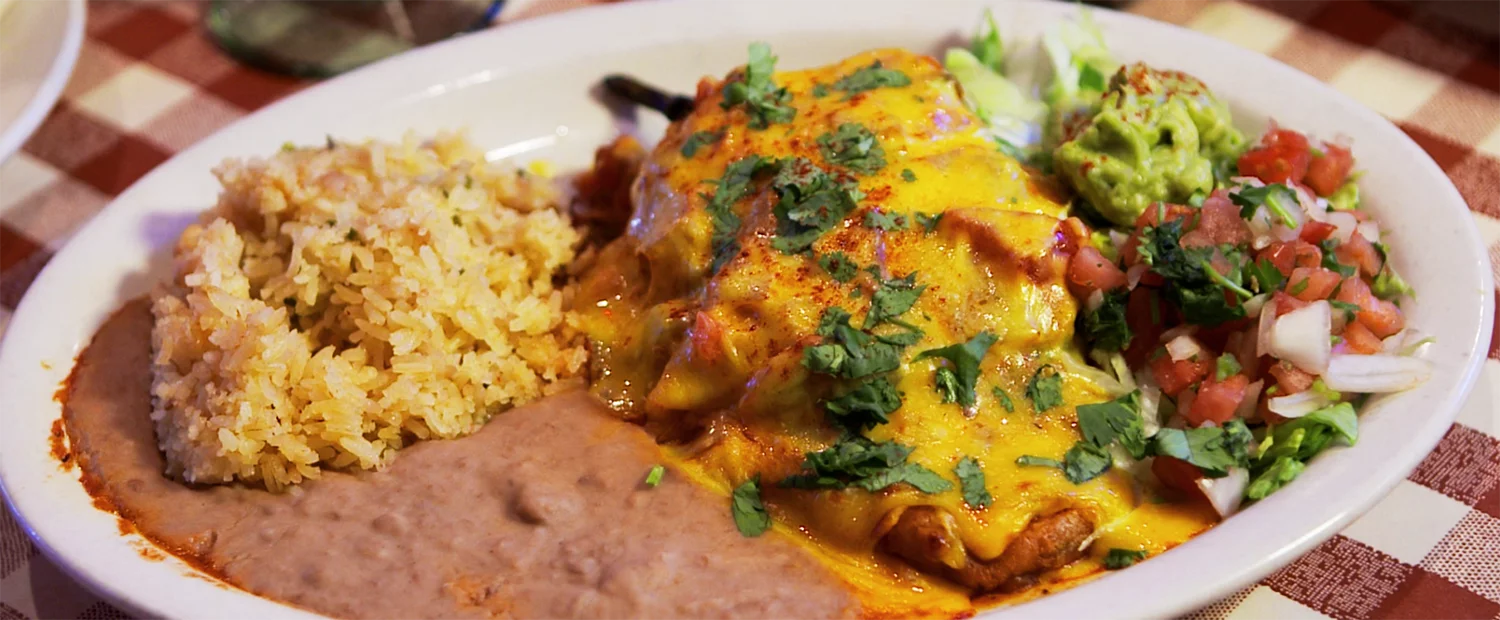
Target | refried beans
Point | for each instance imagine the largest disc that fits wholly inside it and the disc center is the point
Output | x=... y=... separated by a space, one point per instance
x=542 y=513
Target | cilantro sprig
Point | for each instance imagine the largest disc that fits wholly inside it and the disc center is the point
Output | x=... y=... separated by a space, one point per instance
x=764 y=102
x=853 y=146
x=870 y=78
x=812 y=202
x=859 y=462
x=956 y=381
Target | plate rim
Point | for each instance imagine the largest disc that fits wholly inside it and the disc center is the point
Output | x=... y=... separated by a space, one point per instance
x=13 y=136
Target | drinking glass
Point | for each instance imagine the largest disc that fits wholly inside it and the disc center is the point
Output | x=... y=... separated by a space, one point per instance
x=320 y=38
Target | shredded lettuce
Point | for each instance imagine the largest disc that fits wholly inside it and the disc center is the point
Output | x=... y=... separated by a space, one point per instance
x=1081 y=66
x=986 y=44
x=1013 y=115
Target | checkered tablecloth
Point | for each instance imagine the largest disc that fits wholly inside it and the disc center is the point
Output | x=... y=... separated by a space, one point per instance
x=149 y=83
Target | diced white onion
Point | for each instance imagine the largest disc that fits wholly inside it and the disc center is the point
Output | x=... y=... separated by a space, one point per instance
x=1302 y=337
x=1264 y=327
x=1337 y=320
x=1150 y=409
x=1134 y=273
x=1118 y=238
x=1344 y=224
x=1260 y=228
x=1226 y=493
x=1299 y=404
x=1375 y=374
x=1254 y=304
x=1248 y=405
x=1095 y=300
x=1408 y=341
x=1248 y=181
x=1180 y=330
x=1183 y=347
x=1310 y=205
x=1281 y=233
x=1370 y=231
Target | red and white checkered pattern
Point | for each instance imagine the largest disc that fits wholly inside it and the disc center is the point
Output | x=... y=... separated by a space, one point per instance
x=149 y=83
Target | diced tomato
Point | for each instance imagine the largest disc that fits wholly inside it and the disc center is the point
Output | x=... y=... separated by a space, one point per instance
x=1359 y=252
x=1091 y=271
x=1277 y=137
x=1217 y=400
x=1282 y=156
x=1144 y=323
x=1221 y=222
x=1130 y=252
x=1311 y=283
x=1286 y=303
x=1314 y=231
x=1177 y=474
x=1288 y=256
x=1174 y=377
x=1242 y=344
x=1327 y=173
x=1162 y=212
x=1382 y=317
x=1290 y=379
x=1359 y=339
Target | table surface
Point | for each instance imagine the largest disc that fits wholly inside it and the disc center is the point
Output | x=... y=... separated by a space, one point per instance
x=149 y=83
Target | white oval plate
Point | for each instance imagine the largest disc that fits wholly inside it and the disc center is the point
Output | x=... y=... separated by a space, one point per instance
x=39 y=41
x=525 y=91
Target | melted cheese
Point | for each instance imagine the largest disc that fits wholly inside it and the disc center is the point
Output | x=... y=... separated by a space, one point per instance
x=719 y=358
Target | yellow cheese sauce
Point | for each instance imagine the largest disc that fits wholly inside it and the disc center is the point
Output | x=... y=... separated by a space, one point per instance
x=715 y=360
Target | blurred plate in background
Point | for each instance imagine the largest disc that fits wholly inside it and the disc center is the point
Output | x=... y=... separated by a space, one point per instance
x=39 y=41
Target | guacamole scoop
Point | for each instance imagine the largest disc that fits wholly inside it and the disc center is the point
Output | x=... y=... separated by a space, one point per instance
x=1155 y=136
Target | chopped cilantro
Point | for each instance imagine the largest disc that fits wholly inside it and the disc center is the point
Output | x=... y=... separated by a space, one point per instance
x=853 y=146
x=964 y=373
x=1277 y=198
x=870 y=78
x=1227 y=366
x=1213 y=449
x=820 y=90
x=654 y=476
x=1264 y=275
x=908 y=176
x=1118 y=558
x=869 y=404
x=726 y=223
x=1191 y=282
x=880 y=219
x=764 y=102
x=1331 y=260
x=1045 y=389
x=1298 y=287
x=749 y=512
x=1118 y=420
x=971 y=481
x=928 y=221
x=1105 y=328
x=946 y=382
x=287 y=147
x=871 y=465
x=1349 y=309
x=1027 y=460
x=698 y=140
x=839 y=266
x=1004 y=399
x=1388 y=284
x=811 y=203
x=892 y=298
x=1084 y=462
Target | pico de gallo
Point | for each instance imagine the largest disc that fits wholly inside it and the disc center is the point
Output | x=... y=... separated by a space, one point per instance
x=1236 y=291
